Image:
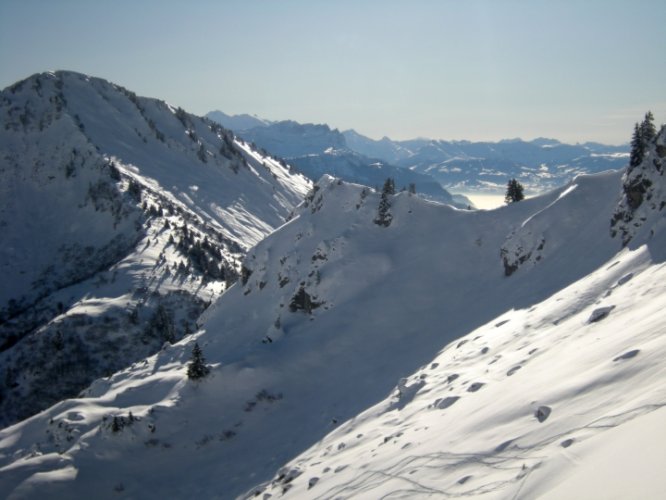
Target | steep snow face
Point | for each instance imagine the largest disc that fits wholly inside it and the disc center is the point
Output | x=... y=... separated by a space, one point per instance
x=564 y=399
x=334 y=315
x=122 y=218
x=548 y=233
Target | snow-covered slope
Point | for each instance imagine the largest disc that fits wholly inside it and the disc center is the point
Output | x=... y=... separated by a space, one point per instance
x=121 y=217
x=562 y=399
x=500 y=378
x=345 y=331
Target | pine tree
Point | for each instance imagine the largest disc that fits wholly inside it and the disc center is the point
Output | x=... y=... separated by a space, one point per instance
x=636 y=154
x=384 y=216
x=644 y=134
x=514 y=192
x=197 y=368
x=648 y=130
x=116 y=424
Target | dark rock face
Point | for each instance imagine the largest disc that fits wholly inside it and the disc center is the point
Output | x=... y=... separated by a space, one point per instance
x=302 y=301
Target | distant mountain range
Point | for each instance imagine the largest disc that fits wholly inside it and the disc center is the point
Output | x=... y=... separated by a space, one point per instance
x=458 y=166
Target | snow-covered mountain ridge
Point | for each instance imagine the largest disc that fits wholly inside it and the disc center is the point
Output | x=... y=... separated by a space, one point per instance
x=122 y=218
x=364 y=360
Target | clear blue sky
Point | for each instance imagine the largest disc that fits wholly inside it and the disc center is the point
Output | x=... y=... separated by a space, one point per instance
x=575 y=70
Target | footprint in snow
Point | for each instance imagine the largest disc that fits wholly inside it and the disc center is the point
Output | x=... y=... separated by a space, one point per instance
x=442 y=404
x=513 y=370
x=627 y=355
x=542 y=413
x=600 y=313
x=463 y=480
x=503 y=446
x=566 y=443
x=624 y=279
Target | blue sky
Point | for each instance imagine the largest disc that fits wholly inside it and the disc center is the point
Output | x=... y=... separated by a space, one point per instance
x=480 y=70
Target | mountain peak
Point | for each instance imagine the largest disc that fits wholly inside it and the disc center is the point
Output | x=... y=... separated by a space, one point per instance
x=141 y=205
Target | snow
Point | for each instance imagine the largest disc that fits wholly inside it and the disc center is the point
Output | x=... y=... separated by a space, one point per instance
x=356 y=360
x=420 y=368
x=622 y=463
x=102 y=196
x=562 y=425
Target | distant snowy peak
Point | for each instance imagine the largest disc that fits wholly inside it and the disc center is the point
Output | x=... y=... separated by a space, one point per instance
x=237 y=123
x=385 y=148
x=290 y=139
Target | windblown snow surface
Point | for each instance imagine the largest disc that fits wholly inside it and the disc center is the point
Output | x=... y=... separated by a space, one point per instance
x=513 y=353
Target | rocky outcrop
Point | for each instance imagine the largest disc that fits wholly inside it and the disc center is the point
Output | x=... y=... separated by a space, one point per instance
x=643 y=192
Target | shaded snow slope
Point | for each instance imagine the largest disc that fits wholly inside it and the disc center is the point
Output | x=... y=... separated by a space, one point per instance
x=332 y=312
x=122 y=218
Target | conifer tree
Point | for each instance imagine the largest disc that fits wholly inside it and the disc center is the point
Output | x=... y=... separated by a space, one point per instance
x=514 y=192
x=384 y=216
x=197 y=367
x=636 y=154
x=644 y=134
x=648 y=130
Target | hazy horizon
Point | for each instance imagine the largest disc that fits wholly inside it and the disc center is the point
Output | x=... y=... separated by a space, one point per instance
x=478 y=71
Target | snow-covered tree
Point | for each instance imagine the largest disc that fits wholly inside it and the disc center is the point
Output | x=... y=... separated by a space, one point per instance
x=514 y=192
x=197 y=368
